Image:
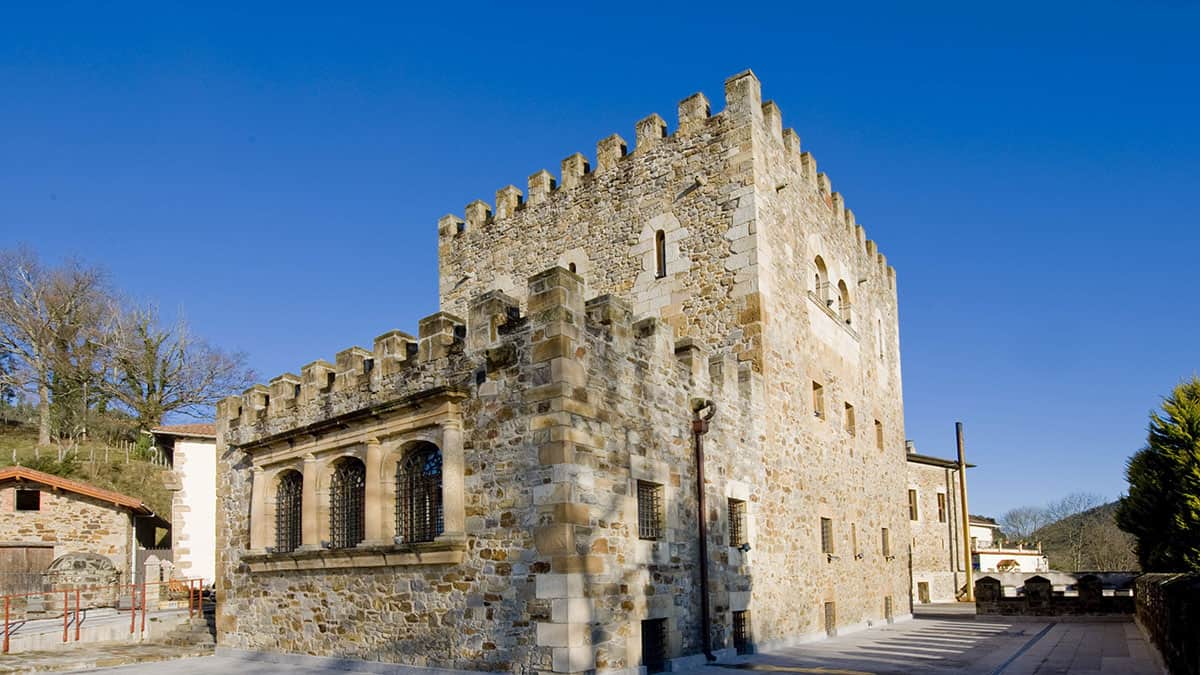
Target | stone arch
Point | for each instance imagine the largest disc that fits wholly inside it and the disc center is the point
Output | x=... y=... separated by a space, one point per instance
x=418 y=505
x=347 y=501
x=844 y=303
x=820 y=276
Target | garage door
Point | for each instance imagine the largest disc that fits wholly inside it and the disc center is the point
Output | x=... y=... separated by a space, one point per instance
x=21 y=567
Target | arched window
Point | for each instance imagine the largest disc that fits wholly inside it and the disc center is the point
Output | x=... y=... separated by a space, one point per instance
x=660 y=254
x=419 y=515
x=288 y=503
x=821 y=280
x=346 y=496
x=844 y=302
x=571 y=266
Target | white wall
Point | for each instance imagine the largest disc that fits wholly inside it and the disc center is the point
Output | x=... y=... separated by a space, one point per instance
x=193 y=521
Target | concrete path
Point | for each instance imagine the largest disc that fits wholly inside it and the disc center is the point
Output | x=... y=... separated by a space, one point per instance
x=924 y=645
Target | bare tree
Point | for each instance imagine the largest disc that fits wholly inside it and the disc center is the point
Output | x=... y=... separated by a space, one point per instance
x=159 y=368
x=1020 y=523
x=1076 y=530
x=44 y=312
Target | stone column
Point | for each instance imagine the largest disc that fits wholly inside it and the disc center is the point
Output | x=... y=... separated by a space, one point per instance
x=258 y=509
x=310 y=537
x=454 y=519
x=373 y=508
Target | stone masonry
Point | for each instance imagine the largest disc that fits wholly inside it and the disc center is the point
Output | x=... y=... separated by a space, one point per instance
x=709 y=265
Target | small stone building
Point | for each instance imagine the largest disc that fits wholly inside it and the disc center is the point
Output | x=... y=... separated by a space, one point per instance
x=934 y=508
x=516 y=487
x=46 y=517
x=191 y=452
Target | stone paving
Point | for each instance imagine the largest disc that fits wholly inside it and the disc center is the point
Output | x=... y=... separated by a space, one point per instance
x=924 y=645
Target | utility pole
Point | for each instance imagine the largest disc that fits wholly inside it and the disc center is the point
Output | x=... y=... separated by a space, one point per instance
x=966 y=517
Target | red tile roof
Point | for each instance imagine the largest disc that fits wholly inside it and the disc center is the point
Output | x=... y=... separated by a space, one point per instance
x=20 y=473
x=205 y=430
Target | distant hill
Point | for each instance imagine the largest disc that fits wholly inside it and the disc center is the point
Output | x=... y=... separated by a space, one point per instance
x=1088 y=541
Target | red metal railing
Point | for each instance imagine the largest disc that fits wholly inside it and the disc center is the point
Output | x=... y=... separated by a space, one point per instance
x=168 y=592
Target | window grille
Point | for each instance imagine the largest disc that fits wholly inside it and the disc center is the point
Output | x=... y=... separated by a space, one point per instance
x=887 y=608
x=830 y=619
x=419 y=512
x=912 y=505
x=649 y=498
x=741 y=631
x=654 y=645
x=346 y=496
x=827 y=536
x=288 y=503
x=737 y=523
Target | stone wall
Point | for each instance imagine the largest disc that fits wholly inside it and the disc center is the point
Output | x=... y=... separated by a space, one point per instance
x=1168 y=612
x=1038 y=597
x=74 y=523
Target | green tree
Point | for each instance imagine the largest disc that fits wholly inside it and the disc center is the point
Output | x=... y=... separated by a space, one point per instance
x=1162 y=510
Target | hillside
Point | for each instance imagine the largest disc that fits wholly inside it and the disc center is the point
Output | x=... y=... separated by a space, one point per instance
x=119 y=468
x=1088 y=541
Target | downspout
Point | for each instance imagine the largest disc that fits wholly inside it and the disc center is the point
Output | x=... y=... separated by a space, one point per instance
x=699 y=428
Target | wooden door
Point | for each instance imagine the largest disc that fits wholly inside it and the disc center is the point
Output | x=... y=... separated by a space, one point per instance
x=21 y=568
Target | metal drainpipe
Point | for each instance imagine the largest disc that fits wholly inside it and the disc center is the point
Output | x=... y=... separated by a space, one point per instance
x=699 y=428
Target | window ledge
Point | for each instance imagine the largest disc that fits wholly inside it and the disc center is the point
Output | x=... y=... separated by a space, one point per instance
x=833 y=314
x=385 y=555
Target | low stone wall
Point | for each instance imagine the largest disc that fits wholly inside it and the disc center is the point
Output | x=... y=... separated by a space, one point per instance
x=1168 y=612
x=1038 y=598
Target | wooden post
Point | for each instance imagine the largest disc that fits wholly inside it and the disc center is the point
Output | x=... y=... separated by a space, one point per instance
x=66 y=612
x=77 y=615
x=966 y=518
x=132 y=608
x=6 y=602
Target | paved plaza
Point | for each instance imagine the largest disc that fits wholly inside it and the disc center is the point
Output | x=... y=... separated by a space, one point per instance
x=930 y=644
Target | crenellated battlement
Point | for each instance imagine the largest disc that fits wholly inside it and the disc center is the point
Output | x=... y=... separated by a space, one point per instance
x=449 y=352
x=694 y=114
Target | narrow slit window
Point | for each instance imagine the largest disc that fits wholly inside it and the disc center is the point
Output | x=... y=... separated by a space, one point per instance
x=818 y=396
x=660 y=254
x=878 y=434
x=941 y=507
x=827 y=536
x=912 y=505
x=849 y=419
x=885 y=543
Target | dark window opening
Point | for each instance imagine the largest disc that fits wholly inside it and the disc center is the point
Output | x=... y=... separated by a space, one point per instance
x=830 y=619
x=571 y=267
x=885 y=543
x=741 y=631
x=660 y=254
x=649 y=502
x=654 y=645
x=347 y=492
x=737 y=523
x=419 y=512
x=29 y=500
x=288 y=510
x=827 y=536
x=912 y=505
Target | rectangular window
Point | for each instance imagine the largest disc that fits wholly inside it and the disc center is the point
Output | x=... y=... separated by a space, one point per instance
x=941 y=507
x=887 y=608
x=649 y=498
x=654 y=645
x=827 y=536
x=879 y=434
x=830 y=619
x=885 y=543
x=849 y=419
x=818 y=400
x=741 y=631
x=912 y=505
x=737 y=523
x=854 y=539
x=29 y=500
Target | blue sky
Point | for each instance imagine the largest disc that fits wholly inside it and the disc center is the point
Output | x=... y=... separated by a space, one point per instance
x=277 y=173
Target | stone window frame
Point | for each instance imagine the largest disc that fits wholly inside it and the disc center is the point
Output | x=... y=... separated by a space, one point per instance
x=273 y=506
x=914 y=504
x=941 y=505
x=394 y=461
x=381 y=459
